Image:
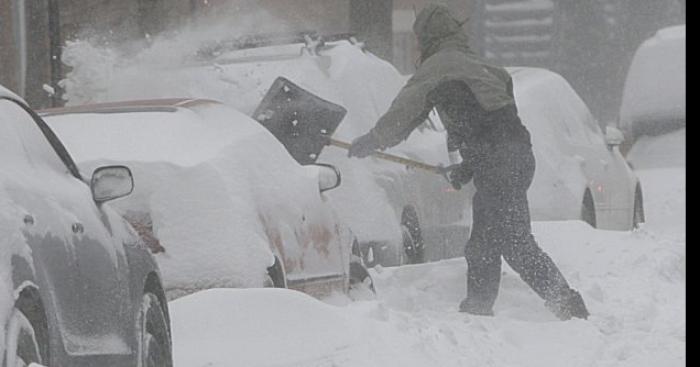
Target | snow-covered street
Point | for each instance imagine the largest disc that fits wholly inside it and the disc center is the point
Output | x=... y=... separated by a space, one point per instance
x=314 y=183
x=633 y=283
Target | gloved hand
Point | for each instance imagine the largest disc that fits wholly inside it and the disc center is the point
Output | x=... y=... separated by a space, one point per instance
x=459 y=174
x=363 y=146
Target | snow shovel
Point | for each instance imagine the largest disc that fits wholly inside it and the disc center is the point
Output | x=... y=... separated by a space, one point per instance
x=304 y=124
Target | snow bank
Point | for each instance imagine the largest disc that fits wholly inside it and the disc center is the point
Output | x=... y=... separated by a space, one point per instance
x=633 y=285
x=665 y=214
x=667 y=150
x=655 y=87
x=212 y=183
x=255 y=326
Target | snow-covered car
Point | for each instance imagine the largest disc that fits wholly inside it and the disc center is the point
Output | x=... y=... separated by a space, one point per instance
x=580 y=171
x=219 y=199
x=390 y=208
x=652 y=114
x=78 y=286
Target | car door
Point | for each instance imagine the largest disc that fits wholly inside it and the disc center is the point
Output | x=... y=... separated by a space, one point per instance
x=29 y=176
x=97 y=300
x=594 y=161
x=619 y=185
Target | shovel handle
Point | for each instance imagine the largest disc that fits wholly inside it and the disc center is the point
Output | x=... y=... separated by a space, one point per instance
x=396 y=159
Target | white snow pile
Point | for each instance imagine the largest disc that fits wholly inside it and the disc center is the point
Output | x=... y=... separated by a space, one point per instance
x=660 y=165
x=216 y=187
x=667 y=150
x=655 y=85
x=633 y=284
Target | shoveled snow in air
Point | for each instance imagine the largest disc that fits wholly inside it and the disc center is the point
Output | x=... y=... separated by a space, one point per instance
x=633 y=283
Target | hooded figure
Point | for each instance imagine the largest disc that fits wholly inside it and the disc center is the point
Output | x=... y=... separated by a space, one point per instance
x=476 y=104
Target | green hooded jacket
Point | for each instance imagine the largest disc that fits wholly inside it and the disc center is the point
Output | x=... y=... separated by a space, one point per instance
x=445 y=56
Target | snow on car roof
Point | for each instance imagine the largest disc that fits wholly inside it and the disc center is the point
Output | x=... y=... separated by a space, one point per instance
x=166 y=128
x=145 y=105
x=655 y=85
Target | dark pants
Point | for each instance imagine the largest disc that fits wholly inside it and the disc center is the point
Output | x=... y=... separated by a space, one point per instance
x=501 y=227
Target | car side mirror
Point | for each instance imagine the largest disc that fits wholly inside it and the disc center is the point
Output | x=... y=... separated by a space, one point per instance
x=328 y=176
x=613 y=136
x=111 y=182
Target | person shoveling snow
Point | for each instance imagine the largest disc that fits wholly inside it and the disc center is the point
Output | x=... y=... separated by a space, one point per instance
x=476 y=103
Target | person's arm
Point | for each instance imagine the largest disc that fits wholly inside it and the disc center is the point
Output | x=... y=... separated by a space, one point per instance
x=408 y=110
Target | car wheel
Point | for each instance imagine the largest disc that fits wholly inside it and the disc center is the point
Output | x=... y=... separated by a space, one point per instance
x=413 y=247
x=22 y=344
x=588 y=209
x=638 y=213
x=154 y=332
x=275 y=277
x=361 y=282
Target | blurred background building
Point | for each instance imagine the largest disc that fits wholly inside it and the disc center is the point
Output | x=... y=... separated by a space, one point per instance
x=589 y=42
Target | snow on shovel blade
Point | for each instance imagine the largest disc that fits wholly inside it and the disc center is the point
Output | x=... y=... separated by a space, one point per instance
x=302 y=121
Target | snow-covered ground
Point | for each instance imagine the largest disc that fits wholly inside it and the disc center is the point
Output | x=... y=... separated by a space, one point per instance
x=633 y=283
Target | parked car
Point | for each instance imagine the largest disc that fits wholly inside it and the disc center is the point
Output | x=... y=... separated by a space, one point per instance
x=399 y=215
x=220 y=200
x=580 y=172
x=79 y=287
x=653 y=110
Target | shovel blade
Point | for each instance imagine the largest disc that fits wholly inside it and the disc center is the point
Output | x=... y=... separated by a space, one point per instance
x=299 y=119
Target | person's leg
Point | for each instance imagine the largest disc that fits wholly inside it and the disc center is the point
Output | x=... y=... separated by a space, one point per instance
x=483 y=260
x=522 y=252
x=540 y=272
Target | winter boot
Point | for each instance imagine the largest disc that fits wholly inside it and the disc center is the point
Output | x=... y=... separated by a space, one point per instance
x=568 y=305
x=474 y=308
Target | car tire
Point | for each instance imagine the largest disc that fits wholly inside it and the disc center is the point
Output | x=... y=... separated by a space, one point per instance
x=413 y=246
x=638 y=211
x=22 y=344
x=275 y=277
x=155 y=342
x=361 y=284
x=588 y=209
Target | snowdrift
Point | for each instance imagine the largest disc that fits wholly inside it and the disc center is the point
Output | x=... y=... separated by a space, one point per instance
x=633 y=284
x=213 y=185
x=654 y=91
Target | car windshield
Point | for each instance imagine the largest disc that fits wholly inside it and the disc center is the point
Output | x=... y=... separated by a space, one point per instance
x=186 y=136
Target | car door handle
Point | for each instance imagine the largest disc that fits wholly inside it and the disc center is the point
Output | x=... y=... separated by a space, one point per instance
x=77 y=228
x=28 y=220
